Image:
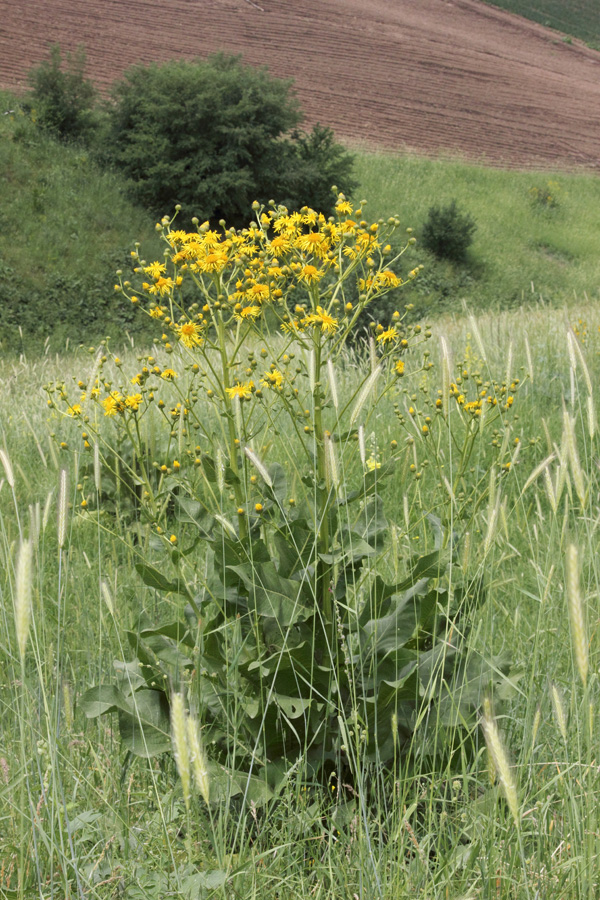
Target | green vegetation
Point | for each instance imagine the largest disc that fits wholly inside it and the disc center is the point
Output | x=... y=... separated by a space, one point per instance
x=214 y=136
x=62 y=99
x=522 y=252
x=65 y=227
x=81 y=816
x=448 y=232
x=578 y=18
x=82 y=226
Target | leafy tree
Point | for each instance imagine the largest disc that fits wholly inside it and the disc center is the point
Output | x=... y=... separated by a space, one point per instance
x=62 y=97
x=216 y=135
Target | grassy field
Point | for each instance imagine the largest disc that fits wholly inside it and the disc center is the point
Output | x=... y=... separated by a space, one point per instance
x=81 y=817
x=578 y=18
x=469 y=553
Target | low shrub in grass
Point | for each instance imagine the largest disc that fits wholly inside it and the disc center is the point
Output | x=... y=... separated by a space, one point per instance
x=448 y=232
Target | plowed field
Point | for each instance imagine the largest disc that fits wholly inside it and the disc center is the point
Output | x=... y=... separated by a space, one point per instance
x=428 y=75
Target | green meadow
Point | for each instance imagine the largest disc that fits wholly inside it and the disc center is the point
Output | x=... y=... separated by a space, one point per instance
x=315 y=619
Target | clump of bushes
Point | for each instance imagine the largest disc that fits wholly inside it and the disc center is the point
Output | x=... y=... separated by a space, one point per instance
x=448 y=232
x=62 y=99
x=212 y=135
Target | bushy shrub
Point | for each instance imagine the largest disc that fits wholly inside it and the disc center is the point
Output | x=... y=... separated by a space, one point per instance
x=448 y=232
x=62 y=99
x=216 y=135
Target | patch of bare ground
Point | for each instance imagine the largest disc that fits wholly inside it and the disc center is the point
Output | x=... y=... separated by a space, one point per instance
x=450 y=76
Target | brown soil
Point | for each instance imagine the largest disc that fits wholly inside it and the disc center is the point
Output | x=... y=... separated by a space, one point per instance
x=428 y=75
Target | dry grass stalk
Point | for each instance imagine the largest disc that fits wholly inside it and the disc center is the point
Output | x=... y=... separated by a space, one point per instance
x=259 y=466
x=332 y=384
x=367 y=389
x=500 y=760
x=8 y=469
x=180 y=745
x=576 y=470
x=558 y=708
x=23 y=595
x=198 y=759
x=63 y=505
x=576 y=614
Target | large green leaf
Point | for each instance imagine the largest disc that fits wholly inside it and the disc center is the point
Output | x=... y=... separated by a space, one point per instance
x=370 y=524
x=295 y=543
x=352 y=553
x=193 y=512
x=155 y=579
x=395 y=630
x=102 y=699
x=273 y=596
x=145 y=730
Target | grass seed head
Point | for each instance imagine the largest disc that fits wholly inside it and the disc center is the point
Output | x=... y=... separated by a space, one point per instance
x=180 y=745
x=198 y=759
x=576 y=614
x=23 y=595
x=8 y=469
x=500 y=760
x=558 y=708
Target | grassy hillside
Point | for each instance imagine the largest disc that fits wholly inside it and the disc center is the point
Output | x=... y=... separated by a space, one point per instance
x=65 y=227
x=578 y=18
x=523 y=249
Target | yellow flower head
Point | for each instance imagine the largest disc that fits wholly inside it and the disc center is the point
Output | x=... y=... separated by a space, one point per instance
x=388 y=279
x=273 y=379
x=399 y=367
x=161 y=286
x=310 y=274
x=155 y=270
x=386 y=337
x=243 y=391
x=314 y=242
x=322 y=318
x=248 y=312
x=133 y=401
x=212 y=262
x=259 y=292
x=343 y=208
x=189 y=334
x=168 y=374
x=113 y=404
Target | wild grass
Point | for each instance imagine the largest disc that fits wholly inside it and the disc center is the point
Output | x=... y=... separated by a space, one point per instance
x=82 y=818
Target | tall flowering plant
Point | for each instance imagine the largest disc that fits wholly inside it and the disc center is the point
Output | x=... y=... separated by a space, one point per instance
x=260 y=503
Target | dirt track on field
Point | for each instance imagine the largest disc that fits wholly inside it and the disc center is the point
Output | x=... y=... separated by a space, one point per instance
x=426 y=75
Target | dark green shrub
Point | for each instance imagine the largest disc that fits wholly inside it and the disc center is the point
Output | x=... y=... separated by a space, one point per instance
x=216 y=135
x=448 y=232
x=316 y=162
x=62 y=99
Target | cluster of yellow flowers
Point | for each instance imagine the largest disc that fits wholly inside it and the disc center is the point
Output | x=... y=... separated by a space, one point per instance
x=242 y=273
x=492 y=395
